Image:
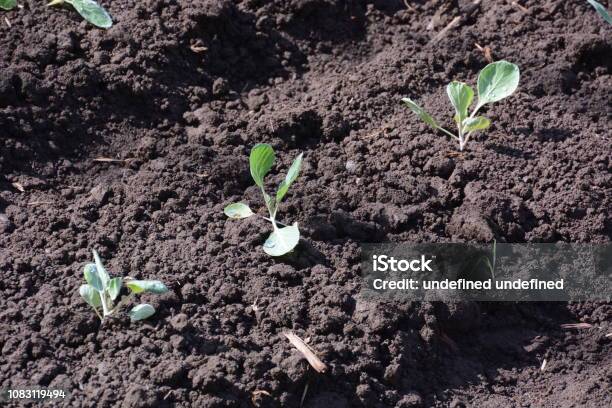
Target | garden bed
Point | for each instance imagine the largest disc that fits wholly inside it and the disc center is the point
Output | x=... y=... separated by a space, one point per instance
x=176 y=93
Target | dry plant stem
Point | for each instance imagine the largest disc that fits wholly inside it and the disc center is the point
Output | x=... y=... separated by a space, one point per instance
x=576 y=326
x=408 y=5
x=306 y=351
x=110 y=160
x=446 y=29
x=520 y=7
x=455 y=21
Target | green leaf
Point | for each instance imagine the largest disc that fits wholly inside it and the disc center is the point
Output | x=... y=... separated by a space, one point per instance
x=114 y=287
x=601 y=10
x=8 y=4
x=90 y=295
x=261 y=161
x=292 y=174
x=141 y=312
x=238 y=211
x=497 y=81
x=425 y=117
x=477 y=123
x=461 y=96
x=92 y=277
x=151 y=286
x=92 y=12
x=282 y=240
x=104 y=277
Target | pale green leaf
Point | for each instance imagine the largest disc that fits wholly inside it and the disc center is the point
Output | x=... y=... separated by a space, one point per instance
x=261 y=161
x=8 y=4
x=92 y=12
x=238 y=211
x=497 y=81
x=425 y=117
x=114 y=287
x=282 y=240
x=456 y=118
x=90 y=295
x=477 y=123
x=92 y=277
x=601 y=10
x=151 y=286
x=142 y=311
x=104 y=277
x=291 y=176
x=461 y=96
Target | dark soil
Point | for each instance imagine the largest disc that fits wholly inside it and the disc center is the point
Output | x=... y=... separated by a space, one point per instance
x=179 y=91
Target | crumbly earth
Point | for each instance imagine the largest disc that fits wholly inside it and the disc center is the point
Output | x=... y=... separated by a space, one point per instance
x=179 y=91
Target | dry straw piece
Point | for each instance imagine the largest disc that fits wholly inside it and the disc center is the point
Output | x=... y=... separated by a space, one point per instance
x=306 y=351
x=18 y=186
x=108 y=160
x=576 y=326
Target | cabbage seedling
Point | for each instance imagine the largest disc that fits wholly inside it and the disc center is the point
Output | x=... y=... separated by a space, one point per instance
x=496 y=81
x=101 y=291
x=8 y=4
x=281 y=240
x=89 y=10
x=601 y=10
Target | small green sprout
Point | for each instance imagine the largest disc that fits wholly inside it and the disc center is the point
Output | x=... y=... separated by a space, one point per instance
x=101 y=291
x=601 y=10
x=8 y=4
x=89 y=10
x=496 y=81
x=281 y=240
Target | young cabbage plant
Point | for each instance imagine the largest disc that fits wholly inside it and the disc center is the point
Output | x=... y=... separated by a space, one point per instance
x=101 y=291
x=89 y=10
x=8 y=4
x=281 y=240
x=601 y=10
x=496 y=81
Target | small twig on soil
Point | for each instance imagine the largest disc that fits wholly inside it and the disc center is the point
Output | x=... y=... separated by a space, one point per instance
x=109 y=160
x=521 y=7
x=202 y=175
x=198 y=48
x=576 y=326
x=306 y=351
x=543 y=366
x=455 y=21
x=40 y=203
x=18 y=186
x=454 y=154
x=304 y=394
x=408 y=5
x=486 y=50
x=259 y=392
x=8 y=23
x=446 y=29
x=608 y=335
x=271 y=125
